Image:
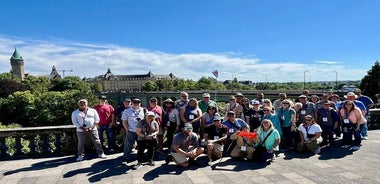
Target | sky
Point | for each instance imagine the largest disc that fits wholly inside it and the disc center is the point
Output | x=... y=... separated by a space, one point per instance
x=257 y=40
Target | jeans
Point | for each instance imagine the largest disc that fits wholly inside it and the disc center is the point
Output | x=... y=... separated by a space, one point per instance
x=364 y=130
x=348 y=130
x=129 y=141
x=110 y=135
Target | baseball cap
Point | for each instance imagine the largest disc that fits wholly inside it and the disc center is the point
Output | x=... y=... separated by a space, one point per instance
x=188 y=126
x=206 y=95
x=102 y=97
x=83 y=100
x=149 y=113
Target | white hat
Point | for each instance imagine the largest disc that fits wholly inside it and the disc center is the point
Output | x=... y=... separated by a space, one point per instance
x=149 y=113
x=206 y=95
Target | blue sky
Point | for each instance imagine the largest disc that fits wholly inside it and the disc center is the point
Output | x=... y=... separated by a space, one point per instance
x=268 y=40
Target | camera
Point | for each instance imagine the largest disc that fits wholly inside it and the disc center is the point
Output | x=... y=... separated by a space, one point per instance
x=138 y=119
x=84 y=125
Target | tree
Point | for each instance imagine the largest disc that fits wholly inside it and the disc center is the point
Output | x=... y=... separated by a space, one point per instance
x=371 y=82
x=149 y=86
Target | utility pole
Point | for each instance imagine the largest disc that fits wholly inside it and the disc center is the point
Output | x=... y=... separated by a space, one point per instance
x=63 y=72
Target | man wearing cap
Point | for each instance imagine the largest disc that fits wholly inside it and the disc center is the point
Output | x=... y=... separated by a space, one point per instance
x=107 y=122
x=131 y=117
x=215 y=135
x=234 y=124
x=254 y=114
x=185 y=145
x=86 y=120
x=205 y=102
x=308 y=108
x=154 y=107
x=118 y=113
x=327 y=119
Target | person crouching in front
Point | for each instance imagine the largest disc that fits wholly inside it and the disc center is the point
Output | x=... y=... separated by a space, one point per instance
x=310 y=134
x=215 y=135
x=185 y=145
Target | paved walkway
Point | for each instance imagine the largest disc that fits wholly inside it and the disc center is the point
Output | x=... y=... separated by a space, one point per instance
x=332 y=165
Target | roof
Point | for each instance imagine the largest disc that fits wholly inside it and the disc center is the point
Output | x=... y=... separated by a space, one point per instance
x=16 y=55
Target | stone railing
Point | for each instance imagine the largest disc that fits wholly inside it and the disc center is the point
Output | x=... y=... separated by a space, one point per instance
x=37 y=142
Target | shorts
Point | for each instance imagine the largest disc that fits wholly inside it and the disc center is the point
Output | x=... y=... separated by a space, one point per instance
x=218 y=148
x=180 y=158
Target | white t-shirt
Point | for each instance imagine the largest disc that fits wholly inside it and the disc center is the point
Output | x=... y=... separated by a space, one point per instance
x=312 y=129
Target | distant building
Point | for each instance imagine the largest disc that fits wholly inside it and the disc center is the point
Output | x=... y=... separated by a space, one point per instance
x=117 y=83
x=17 y=64
x=54 y=74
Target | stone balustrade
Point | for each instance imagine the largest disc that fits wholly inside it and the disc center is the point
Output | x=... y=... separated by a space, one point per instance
x=41 y=141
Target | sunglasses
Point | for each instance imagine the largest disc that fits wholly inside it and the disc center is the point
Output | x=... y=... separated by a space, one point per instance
x=188 y=128
x=266 y=110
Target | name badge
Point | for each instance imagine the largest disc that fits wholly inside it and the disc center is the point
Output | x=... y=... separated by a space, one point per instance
x=191 y=116
x=231 y=130
x=324 y=119
x=346 y=121
x=216 y=137
x=243 y=148
x=303 y=112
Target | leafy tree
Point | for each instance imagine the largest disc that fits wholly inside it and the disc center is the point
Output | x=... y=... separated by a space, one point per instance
x=37 y=84
x=371 y=82
x=9 y=76
x=150 y=86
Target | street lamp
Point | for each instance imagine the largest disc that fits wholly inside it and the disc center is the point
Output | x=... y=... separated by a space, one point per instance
x=336 y=79
x=304 y=79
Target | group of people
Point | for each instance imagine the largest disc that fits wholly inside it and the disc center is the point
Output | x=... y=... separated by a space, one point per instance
x=245 y=129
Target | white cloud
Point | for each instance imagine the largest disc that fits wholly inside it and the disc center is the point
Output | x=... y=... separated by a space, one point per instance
x=90 y=60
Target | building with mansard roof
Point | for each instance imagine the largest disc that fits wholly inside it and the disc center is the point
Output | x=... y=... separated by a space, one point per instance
x=119 y=83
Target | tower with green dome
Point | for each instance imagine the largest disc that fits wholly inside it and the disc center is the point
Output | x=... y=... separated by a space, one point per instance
x=17 y=64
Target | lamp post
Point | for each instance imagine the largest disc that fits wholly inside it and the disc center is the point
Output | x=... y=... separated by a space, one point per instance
x=304 y=79
x=336 y=80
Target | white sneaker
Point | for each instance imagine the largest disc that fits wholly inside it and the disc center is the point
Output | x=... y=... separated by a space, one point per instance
x=365 y=138
x=318 y=150
x=355 y=148
x=346 y=146
x=102 y=155
x=80 y=158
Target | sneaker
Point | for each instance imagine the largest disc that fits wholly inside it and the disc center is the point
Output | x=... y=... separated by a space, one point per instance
x=80 y=158
x=365 y=138
x=318 y=150
x=168 y=159
x=355 y=148
x=346 y=146
x=102 y=155
x=151 y=163
x=137 y=166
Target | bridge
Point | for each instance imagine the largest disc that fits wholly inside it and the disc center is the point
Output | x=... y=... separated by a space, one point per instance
x=216 y=95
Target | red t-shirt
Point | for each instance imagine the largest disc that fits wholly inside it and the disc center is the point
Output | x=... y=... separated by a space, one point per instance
x=105 y=113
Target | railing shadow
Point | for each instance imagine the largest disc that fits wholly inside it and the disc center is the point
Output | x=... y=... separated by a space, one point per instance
x=102 y=169
x=43 y=165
